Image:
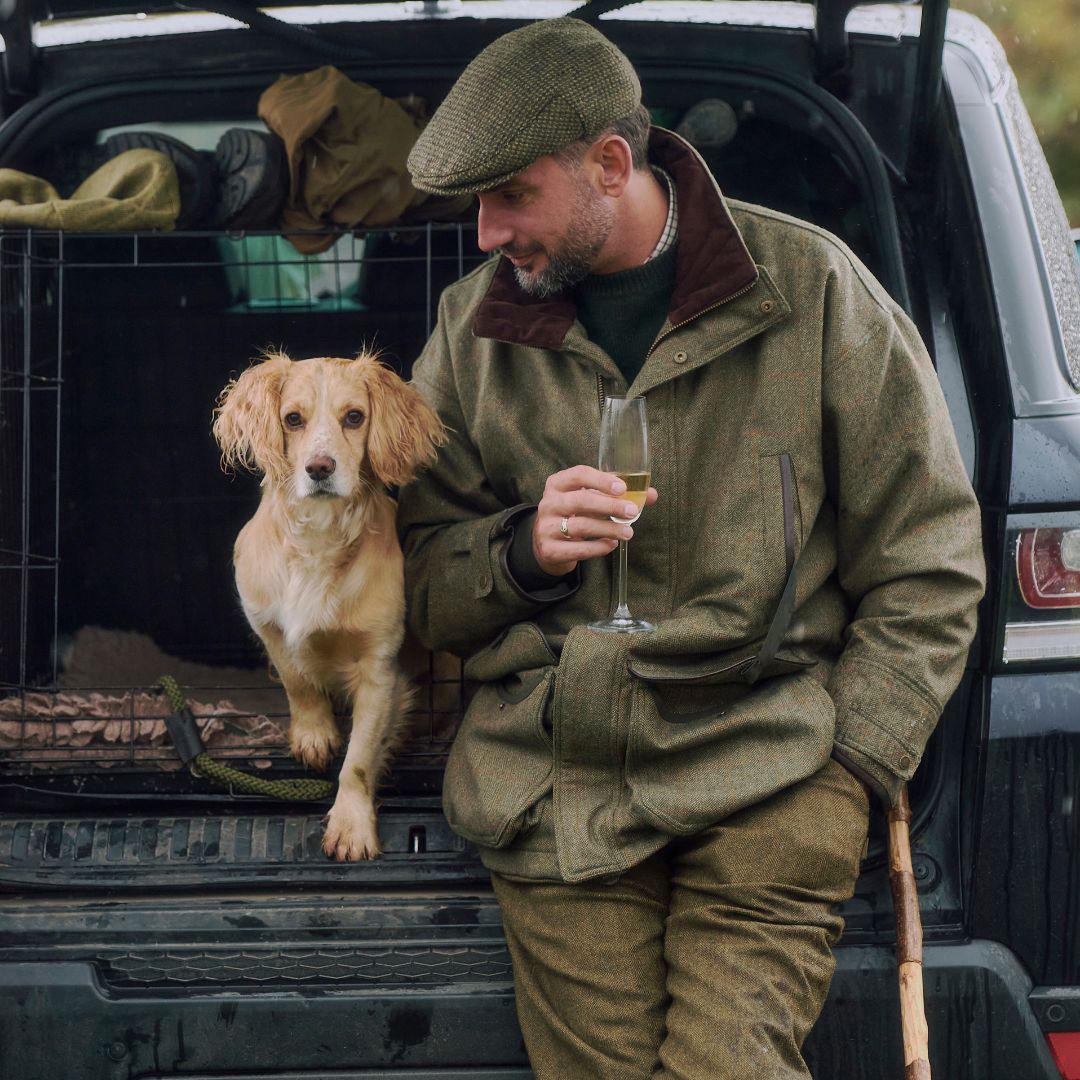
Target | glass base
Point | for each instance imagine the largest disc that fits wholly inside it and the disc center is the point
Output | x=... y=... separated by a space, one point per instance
x=616 y=625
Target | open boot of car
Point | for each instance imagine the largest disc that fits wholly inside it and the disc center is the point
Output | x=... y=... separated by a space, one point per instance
x=151 y=906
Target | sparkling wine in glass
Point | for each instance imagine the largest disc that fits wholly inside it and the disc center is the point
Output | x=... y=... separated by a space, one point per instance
x=624 y=451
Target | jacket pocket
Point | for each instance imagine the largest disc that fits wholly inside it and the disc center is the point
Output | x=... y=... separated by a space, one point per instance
x=698 y=753
x=717 y=669
x=520 y=648
x=501 y=763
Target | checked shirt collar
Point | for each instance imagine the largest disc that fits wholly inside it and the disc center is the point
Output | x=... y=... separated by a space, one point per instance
x=671 y=226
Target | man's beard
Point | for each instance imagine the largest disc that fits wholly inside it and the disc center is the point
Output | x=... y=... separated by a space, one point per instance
x=568 y=264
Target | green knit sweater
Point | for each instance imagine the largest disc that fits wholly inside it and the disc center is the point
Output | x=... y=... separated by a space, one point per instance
x=623 y=312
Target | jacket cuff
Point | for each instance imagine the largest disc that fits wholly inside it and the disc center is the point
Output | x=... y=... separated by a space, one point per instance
x=881 y=784
x=522 y=569
x=883 y=721
x=519 y=565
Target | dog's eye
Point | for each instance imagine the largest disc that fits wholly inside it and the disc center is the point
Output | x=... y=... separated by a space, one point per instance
x=294 y=420
x=353 y=418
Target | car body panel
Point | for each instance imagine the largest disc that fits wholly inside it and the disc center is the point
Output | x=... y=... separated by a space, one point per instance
x=439 y=1033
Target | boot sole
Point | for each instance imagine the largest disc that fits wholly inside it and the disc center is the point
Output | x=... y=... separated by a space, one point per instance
x=253 y=179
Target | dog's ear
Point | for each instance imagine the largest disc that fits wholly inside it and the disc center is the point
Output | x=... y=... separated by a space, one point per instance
x=404 y=431
x=246 y=422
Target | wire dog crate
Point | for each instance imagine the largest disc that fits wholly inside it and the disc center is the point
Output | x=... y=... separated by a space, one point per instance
x=116 y=522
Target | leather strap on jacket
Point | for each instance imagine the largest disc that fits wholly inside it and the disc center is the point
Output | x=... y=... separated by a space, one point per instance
x=781 y=619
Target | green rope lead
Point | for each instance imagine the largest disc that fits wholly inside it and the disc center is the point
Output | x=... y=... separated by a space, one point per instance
x=185 y=734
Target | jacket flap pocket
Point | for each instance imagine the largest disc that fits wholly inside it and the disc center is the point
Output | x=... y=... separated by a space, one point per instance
x=520 y=648
x=500 y=764
x=716 y=668
x=684 y=776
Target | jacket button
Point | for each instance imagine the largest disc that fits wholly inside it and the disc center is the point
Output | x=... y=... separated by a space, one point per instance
x=905 y=762
x=680 y=357
x=766 y=307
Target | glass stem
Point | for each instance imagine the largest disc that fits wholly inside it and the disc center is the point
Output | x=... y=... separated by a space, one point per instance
x=622 y=611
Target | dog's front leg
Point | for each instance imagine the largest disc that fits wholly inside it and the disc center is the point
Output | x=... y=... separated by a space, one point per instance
x=351 y=830
x=314 y=738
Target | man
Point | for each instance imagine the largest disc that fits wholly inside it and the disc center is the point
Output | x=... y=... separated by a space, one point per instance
x=671 y=818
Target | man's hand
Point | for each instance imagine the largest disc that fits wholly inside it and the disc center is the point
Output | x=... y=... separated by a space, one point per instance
x=588 y=499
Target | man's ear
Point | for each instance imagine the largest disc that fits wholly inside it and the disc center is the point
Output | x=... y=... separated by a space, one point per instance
x=611 y=162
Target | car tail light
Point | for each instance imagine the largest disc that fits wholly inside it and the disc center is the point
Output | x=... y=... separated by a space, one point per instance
x=1065 y=1048
x=1048 y=567
x=1042 y=598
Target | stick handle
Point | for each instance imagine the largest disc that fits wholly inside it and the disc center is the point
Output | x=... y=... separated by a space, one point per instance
x=909 y=953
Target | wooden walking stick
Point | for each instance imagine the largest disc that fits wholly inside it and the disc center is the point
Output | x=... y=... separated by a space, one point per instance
x=909 y=956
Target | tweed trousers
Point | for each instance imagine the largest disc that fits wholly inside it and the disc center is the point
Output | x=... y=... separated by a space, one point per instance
x=710 y=960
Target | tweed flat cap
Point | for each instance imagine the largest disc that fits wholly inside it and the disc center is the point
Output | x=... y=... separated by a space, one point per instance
x=530 y=92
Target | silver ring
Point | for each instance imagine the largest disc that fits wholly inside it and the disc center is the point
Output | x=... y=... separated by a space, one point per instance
x=564 y=528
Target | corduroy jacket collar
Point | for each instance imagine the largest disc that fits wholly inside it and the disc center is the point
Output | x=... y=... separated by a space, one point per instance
x=712 y=263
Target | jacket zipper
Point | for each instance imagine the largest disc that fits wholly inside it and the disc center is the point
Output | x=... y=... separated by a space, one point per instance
x=601 y=393
x=712 y=307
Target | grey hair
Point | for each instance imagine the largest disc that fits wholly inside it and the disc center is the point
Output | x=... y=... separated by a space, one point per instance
x=633 y=128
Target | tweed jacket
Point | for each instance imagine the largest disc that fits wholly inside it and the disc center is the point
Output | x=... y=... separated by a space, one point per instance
x=805 y=463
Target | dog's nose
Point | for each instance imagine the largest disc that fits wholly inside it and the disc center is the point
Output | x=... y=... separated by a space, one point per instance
x=319 y=468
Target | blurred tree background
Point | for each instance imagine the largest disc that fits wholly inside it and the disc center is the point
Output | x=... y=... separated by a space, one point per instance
x=1042 y=41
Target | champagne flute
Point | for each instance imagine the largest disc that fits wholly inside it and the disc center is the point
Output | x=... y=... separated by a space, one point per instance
x=624 y=451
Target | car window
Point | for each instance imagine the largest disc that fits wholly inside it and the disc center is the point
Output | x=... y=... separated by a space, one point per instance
x=1059 y=247
x=1029 y=249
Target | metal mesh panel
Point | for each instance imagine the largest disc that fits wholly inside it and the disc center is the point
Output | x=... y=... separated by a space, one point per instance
x=30 y=381
x=116 y=523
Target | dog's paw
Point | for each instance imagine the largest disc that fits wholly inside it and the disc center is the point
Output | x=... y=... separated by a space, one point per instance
x=351 y=833
x=314 y=744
